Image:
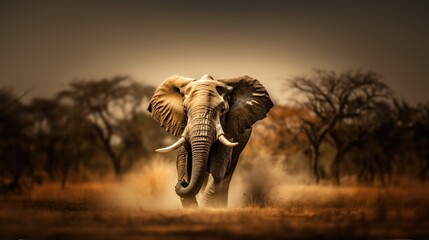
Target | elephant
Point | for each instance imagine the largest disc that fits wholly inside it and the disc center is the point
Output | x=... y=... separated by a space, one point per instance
x=213 y=120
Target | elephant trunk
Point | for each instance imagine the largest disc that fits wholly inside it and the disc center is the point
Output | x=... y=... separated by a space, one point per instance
x=201 y=137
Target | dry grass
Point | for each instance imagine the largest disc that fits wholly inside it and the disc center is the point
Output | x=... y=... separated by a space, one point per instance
x=91 y=211
x=143 y=205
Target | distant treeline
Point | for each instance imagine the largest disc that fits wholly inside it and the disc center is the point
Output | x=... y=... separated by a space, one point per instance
x=101 y=127
x=91 y=128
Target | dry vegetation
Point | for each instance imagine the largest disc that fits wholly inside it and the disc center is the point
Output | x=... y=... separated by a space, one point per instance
x=143 y=206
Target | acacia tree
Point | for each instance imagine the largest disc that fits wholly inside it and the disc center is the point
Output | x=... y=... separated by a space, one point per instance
x=49 y=119
x=421 y=138
x=15 y=151
x=332 y=99
x=109 y=105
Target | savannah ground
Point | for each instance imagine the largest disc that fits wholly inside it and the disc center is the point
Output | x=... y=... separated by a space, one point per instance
x=136 y=209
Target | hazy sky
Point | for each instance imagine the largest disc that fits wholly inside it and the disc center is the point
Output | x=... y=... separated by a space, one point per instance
x=46 y=44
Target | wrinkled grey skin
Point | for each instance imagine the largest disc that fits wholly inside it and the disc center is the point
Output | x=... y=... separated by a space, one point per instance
x=200 y=110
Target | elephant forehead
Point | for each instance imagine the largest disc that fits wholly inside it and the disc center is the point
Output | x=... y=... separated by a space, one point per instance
x=207 y=77
x=203 y=86
x=206 y=84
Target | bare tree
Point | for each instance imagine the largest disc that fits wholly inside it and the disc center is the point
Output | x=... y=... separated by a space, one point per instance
x=333 y=99
x=417 y=123
x=352 y=130
x=422 y=139
x=365 y=133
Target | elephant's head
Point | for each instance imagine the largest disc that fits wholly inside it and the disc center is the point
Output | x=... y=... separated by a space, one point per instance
x=204 y=111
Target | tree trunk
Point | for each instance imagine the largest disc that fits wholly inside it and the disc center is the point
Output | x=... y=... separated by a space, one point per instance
x=51 y=159
x=315 y=162
x=117 y=166
x=424 y=172
x=64 y=179
x=336 y=166
x=116 y=161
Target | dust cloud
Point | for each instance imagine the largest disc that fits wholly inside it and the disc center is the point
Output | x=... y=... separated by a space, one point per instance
x=148 y=187
x=259 y=181
x=256 y=183
x=263 y=181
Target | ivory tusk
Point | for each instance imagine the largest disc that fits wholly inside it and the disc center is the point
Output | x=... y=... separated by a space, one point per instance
x=172 y=147
x=220 y=135
x=226 y=142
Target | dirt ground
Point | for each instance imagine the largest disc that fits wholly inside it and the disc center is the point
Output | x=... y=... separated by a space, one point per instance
x=295 y=212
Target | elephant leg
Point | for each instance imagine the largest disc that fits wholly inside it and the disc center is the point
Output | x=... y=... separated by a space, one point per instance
x=222 y=165
x=235 y=155
x=242 y=140
x=215 y=194
x=218 y=195
x=183 y=165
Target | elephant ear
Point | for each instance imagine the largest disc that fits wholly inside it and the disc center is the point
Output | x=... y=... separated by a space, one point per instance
x=166 y=104
x=249 y=102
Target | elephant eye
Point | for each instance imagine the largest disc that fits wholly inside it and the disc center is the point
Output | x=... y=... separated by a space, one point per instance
x=221 y=90
x=223 y=108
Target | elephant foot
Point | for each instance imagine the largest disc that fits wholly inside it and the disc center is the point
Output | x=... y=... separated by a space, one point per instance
x=218 y=202
x=189 y=202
